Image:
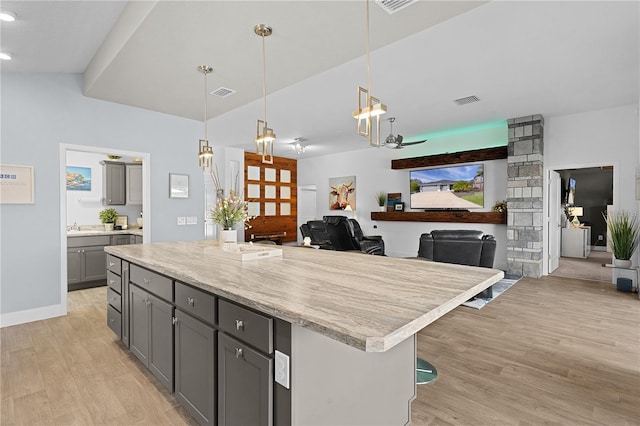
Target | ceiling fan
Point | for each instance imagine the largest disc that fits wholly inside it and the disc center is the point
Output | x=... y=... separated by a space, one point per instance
x=396 y=142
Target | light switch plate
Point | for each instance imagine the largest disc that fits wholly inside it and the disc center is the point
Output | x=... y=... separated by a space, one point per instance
x=181 y=220
x=192 y=220
x=282 y=369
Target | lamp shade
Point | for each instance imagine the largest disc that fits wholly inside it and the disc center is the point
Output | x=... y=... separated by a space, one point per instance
x=576 y=211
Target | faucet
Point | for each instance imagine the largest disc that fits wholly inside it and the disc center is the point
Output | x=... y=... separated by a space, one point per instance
x=76 y=227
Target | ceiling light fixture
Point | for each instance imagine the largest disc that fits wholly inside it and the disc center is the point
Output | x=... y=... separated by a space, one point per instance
x=368 y=107
x=5 y=56
x=7 y=16
x=265 y=137
x=205 y=153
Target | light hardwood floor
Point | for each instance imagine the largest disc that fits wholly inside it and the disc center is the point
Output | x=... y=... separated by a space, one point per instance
x=549 y=351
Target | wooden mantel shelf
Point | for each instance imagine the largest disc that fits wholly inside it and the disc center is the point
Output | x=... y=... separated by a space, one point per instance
x=442 y=216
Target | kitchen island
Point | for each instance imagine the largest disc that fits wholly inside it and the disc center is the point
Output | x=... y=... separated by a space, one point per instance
x=335 y=331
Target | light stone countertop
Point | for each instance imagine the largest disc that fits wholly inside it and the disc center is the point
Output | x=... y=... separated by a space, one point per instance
x=97 y=231
x=369 y=302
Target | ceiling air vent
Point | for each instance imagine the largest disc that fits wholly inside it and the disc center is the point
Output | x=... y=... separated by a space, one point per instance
x=392 y=6
x=222 y=92
x=467 y=100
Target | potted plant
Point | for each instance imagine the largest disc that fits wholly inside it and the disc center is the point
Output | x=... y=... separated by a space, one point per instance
x=623 y=236
x=228 y=213
x=381 y=199
x=108 y=217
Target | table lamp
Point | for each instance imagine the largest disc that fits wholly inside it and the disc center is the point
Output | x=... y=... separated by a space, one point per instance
x=575 y=212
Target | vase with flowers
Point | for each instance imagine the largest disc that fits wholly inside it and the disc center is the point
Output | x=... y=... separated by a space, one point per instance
x=228 y=213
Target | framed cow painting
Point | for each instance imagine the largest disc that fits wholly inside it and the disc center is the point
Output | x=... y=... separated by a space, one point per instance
x=342 y=193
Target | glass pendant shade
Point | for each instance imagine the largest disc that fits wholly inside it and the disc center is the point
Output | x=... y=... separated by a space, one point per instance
x=205 y=151
x=265 y=137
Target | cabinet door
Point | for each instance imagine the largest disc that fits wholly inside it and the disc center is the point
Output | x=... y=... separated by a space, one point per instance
x=74 y=265
x=119 y=240
x=161 y=340
x=245 y=388
x=138 y=323
x=114 y=184
x=134 y=184
x=195 y=367
x=95 y=263
x=138 y=240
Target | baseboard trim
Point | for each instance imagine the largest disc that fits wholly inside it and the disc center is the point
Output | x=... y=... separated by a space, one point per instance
x=30 y=315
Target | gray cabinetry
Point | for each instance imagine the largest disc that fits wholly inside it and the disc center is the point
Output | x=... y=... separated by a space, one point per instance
x=245 y=393
x=134 y=184
x=120 y=240
x=86 y=261
x=117 y=297
x=195 y=367
x=245 y=388
x=113 y=183
x=151 y=333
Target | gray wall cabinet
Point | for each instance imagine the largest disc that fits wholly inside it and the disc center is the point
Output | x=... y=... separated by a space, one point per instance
x=134 y=183
x=151 y=333
x=114 y=181
x=195 y=367
x=245 y=395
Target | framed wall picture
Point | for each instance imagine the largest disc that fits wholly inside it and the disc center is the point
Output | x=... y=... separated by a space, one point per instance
x=398 y=207
x=342 y=193
x=16 y=184
x=78 y=178
x=178 y=185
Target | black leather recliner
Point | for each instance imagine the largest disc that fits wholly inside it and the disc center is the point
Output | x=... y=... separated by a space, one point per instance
x=370 y=244
x=342 y=234
x=462 y=247
x=316 y=230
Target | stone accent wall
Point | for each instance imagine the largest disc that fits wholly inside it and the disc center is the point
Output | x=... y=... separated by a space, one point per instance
x=524 y=196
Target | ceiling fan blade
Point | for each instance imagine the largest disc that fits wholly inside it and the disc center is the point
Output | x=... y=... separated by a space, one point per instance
x=399 y=139
x=414 y=143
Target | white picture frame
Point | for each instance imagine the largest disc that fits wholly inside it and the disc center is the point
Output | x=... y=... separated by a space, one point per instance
x=178 y=185
x=16 y=184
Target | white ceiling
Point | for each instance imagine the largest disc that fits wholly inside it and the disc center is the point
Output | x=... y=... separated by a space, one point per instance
x=519 y=58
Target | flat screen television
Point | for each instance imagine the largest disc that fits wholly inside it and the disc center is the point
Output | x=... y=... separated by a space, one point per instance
x=447 y=188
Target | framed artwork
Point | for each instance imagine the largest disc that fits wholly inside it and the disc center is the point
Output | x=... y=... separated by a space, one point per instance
x=399 y=207
x=342 y=193
x=16 y=184
x=392 y=199
x=178 y=185
x=78 y=178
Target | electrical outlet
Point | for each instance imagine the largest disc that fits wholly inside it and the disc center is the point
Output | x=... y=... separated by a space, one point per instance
x=600 y=237
x=182 y=220
x=282 y=369
x=192 y=220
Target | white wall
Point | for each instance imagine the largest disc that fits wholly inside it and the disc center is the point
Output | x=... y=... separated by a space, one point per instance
x=372 y=168
x=596 y=138
x=40 y=112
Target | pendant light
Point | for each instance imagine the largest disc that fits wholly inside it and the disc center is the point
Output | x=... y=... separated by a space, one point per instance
x=265 y=137
x=369 y=108
x=205 y=151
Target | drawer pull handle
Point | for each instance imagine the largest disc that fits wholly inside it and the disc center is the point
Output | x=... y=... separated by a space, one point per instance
x=239 y=325
x=111 y=320
x=146 y=280
x=112 y=281
x=190 y=301
x=239 y=353
x=112 y=264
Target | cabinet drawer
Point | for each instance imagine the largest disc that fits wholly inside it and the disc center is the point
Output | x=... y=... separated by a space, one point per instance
x=114 y=282
x=96 y=240
x=155 y=283
x=114 y=299
x=196 y=302
x=114 y=321
x=248 y=326
x=114 y=264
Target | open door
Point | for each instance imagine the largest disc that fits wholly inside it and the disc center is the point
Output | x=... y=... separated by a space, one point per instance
x=554 y=224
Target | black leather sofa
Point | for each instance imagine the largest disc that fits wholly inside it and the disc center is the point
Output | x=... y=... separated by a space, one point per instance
x=463 y=247
x=342 y=234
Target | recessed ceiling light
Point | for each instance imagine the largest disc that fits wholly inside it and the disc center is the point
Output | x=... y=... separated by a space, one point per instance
x=7 y=16
x=5 y=56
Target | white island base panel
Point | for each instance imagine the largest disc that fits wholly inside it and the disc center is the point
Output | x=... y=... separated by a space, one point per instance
x=336 y=384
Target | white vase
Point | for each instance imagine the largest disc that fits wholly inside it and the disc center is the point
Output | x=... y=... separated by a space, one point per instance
x=382 y=208
x=108 y=226
x=227 y=236
x=622 y=263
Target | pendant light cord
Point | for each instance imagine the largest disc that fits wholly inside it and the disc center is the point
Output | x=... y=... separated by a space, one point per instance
x=205 y=105
x=264 y=80
x=368 y=57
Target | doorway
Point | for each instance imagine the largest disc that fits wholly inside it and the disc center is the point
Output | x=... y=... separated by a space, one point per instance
x=579 y=249
x=64 y=151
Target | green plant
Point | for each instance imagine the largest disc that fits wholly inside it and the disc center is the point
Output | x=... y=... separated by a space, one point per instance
x=108 y=215
x=623 y=233
x=381 y=198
